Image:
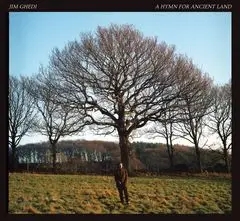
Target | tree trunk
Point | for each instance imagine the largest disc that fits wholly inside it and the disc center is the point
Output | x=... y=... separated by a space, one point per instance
x=14 y=158
x=54 y=157
x=171 y=161
x=226 y=159
x=170 y=154
x=124 y=148
x=198 y=157
x=123 y=136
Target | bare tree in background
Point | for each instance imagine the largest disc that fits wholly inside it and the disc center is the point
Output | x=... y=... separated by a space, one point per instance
x=55 y=120
x=21 y=115
x=119 y=77
x=220 y=119
x=195 y=105
x=164 y=127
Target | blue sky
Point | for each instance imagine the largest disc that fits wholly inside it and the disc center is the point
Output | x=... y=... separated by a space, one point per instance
x=203 y=36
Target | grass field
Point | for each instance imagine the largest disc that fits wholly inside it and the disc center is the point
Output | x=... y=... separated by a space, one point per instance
x=78 y=194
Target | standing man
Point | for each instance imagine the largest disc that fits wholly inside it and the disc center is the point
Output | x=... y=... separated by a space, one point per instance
x=121 y=176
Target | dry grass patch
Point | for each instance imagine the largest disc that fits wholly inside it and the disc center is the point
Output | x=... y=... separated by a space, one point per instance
x=70 y=194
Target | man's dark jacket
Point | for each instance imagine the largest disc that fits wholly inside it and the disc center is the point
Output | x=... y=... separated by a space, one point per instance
x=121 y=177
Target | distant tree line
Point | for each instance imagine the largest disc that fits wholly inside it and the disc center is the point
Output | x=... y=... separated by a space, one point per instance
x=117 y=81
x=101 y=157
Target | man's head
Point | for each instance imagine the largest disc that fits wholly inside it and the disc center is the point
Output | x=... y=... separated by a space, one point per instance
x=120 y=165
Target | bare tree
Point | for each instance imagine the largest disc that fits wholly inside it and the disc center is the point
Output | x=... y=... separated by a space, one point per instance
x=55 y=120
x=20 y=114
x=220 y=119
x=119 y=77
x=195 y=105
x=164 y=127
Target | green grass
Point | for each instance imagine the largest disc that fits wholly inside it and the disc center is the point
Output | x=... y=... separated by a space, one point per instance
x=78 y=194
